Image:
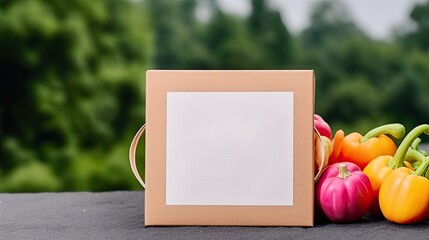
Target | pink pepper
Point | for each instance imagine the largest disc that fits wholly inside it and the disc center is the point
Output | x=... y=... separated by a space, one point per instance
x=322 y=127
x=343 y=192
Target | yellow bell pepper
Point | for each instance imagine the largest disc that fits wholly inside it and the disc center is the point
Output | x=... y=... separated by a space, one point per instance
x=382 y=166
x=404 y=193
x=404 y=196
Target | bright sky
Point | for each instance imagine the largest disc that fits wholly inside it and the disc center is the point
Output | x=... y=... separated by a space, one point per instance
x=376 y=17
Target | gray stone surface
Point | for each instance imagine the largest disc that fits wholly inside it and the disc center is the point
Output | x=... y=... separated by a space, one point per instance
x=120 y=215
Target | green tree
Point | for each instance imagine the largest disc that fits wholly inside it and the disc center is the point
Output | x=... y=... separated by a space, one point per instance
x=75 y=73
x=230 y=44
x=353 y=71
x=362 y=82
x=326 y=46
x=419 y=37
x=406 y=99
x=330 y=24
x=179 y=42
x=270 y=34
x=408 y=93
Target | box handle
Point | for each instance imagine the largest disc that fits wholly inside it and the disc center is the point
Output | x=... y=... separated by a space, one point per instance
x=134 y=143
x=132 y=154
x=318 y=148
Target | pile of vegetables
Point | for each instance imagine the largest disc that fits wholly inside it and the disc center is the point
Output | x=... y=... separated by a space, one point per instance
x=356 y=174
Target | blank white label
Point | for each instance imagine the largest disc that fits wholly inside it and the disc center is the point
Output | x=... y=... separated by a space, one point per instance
x=229 y=148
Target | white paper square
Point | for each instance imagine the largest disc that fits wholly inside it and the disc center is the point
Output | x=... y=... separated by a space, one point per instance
x=229 y=148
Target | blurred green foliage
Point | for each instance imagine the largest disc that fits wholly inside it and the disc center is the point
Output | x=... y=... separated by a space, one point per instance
x=73 y=92
x=74 y=87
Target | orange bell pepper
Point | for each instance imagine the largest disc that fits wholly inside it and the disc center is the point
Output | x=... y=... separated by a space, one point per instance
x=337 y=143
x=379 y=168
x=361 y=150
x=404 y=195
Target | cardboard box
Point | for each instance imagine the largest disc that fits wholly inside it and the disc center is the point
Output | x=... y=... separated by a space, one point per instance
x=229 y=148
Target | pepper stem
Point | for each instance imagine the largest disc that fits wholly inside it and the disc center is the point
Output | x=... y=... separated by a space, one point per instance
x=422 y=169
x=414 y=155
x=416 y=143
x=415 y=146
x=396 y=130
x=343 y=172
x=398 y=158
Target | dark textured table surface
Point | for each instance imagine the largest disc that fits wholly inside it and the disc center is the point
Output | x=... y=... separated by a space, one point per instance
x=120 y=215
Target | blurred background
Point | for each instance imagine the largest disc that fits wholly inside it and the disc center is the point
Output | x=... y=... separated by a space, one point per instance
x=73 y=72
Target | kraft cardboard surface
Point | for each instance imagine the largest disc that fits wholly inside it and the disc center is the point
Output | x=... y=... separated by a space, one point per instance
x=257 y=209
